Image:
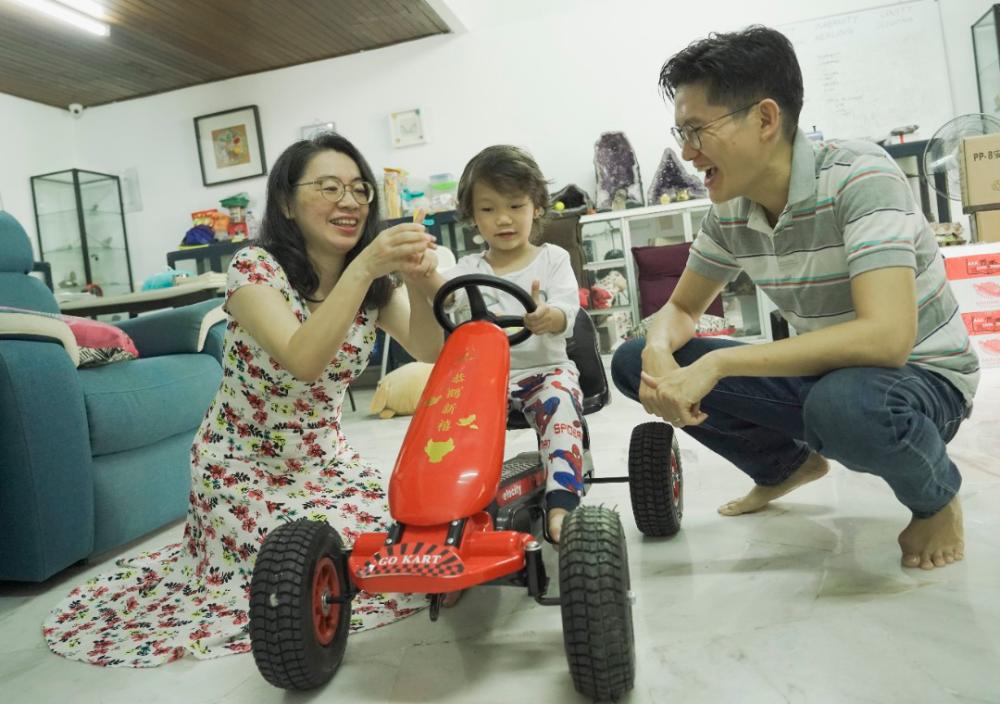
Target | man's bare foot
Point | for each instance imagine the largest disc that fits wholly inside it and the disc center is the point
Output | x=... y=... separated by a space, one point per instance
x=936 y=541
x=556 y=518
x=812 y=469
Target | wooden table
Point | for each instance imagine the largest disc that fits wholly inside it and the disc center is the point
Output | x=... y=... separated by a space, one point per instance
x=144 y=301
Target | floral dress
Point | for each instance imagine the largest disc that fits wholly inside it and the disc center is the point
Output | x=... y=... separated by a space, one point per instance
x=270 y=450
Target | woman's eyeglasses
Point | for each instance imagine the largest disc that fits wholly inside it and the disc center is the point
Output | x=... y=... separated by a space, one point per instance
x=334 y=190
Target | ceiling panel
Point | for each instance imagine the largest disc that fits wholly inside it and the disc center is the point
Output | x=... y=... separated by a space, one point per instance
x=161 y=45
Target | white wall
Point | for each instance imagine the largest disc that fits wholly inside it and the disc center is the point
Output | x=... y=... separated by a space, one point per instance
x=550 y=76
x=34 y=139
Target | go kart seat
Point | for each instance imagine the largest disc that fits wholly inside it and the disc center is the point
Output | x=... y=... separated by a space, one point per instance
x=582 y=349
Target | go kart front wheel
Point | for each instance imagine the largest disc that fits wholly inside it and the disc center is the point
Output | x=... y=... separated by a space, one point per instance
x=656 y=479
x=300 y=608
x=596 y=603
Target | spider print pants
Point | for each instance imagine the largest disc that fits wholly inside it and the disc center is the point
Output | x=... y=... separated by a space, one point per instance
x=550 y=401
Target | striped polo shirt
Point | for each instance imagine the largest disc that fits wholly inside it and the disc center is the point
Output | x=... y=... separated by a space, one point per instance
x=850 y=210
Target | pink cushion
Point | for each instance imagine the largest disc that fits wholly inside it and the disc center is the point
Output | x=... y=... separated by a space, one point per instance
x=99 y=343
x=98 y=335
x=658 y=271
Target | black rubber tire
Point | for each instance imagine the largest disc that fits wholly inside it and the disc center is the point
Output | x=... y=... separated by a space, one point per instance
x=596 y=603
x=283 y=630
x=656 y=479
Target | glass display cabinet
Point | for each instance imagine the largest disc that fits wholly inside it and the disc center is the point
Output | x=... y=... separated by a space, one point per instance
x=613 y=299
x=986 y=49
x=81 y=232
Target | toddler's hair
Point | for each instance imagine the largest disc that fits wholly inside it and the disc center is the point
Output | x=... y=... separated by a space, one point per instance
x=507 y=169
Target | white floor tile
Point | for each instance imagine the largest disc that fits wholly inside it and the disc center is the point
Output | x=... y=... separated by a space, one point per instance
x=804 y=602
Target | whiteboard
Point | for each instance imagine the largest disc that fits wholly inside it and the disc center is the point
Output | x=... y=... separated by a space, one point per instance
x=867 y=72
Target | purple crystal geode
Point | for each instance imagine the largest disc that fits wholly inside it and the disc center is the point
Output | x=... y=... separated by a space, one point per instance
x=671 y=178
x=617 y=170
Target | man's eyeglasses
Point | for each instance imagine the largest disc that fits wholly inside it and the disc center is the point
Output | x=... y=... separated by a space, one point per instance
x=691 y=136
x=334 y=190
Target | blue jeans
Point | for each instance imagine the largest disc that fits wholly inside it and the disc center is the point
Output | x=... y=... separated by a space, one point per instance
x=893 y=423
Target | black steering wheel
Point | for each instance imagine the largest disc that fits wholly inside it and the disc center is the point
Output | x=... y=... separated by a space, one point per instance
x=471 y=282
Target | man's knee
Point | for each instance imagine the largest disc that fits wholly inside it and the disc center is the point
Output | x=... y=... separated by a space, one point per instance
x=626 y=364
x=843 y=415
x=626 y=367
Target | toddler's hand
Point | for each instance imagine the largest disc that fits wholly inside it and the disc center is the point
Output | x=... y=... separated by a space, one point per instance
x=545 y=319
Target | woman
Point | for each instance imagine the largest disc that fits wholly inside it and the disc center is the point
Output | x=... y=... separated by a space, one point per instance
x=304 y=304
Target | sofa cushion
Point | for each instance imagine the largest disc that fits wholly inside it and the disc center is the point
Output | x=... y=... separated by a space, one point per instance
x=659 y=269
x=96 y=343
x=142 y=401
x=100 y=343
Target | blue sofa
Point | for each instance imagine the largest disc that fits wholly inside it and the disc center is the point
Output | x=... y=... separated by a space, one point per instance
x=92 y=458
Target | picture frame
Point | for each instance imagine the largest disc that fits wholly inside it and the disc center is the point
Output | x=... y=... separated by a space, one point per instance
x=310 y=131
x=406 y=128
x=230 y=145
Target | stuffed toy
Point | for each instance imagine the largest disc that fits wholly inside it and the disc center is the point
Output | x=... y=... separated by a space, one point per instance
x=602 y=293
x=165 y=279
x=398 y=393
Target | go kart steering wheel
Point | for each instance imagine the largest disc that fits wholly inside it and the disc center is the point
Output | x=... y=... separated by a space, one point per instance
x=471 y=282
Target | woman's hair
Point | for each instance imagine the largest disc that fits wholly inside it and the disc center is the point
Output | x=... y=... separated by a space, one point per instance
x=280 y=235
x=737 y=68
x=508 y=170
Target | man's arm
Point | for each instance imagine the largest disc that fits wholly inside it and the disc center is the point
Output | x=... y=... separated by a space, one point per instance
x=882 y=335
x=672 y=327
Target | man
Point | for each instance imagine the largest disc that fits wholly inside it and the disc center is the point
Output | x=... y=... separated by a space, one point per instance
x=881 y=372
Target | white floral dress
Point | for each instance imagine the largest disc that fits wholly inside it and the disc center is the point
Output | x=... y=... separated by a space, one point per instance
x=269 y=450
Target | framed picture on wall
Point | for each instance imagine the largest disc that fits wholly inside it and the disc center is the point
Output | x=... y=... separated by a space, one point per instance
x=310 y=131
x=230 y=145
x=406 y=128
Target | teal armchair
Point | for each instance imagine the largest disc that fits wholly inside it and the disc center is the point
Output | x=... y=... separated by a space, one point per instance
x=93 y=458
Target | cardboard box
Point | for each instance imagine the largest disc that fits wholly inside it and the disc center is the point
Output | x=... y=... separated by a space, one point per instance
x=987 y=225
x=975 y=295
x=974 y=274
x=986 y=322
x=980 y=166
x=988 y=349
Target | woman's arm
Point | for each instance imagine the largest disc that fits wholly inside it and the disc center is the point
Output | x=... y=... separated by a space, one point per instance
x=306 y=349
x=410 y=318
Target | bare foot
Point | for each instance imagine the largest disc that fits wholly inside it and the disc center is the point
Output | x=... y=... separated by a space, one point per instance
x=936 y=541
x=556 y=518
x=760 y=496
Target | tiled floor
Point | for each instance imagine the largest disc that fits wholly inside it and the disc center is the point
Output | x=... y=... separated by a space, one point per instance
x=805 y=602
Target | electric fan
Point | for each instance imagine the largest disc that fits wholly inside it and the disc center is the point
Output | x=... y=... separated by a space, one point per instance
x=942 y=155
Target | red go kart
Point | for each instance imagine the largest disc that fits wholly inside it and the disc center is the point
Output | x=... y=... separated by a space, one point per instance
x=463 y=517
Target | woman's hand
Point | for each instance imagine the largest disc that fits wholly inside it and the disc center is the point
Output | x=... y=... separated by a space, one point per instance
x=545 y=319
x=400 y=248
x=420 y=267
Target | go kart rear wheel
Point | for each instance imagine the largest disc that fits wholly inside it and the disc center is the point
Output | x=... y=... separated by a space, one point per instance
x=656 y=479
x=596 y=603
x=299 y=616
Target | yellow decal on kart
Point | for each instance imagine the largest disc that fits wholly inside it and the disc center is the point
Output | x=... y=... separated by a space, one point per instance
x=469 y=422
x=437 y=449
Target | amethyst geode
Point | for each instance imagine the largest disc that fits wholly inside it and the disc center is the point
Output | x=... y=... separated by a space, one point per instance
x=619 y=183
x=672 y=178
